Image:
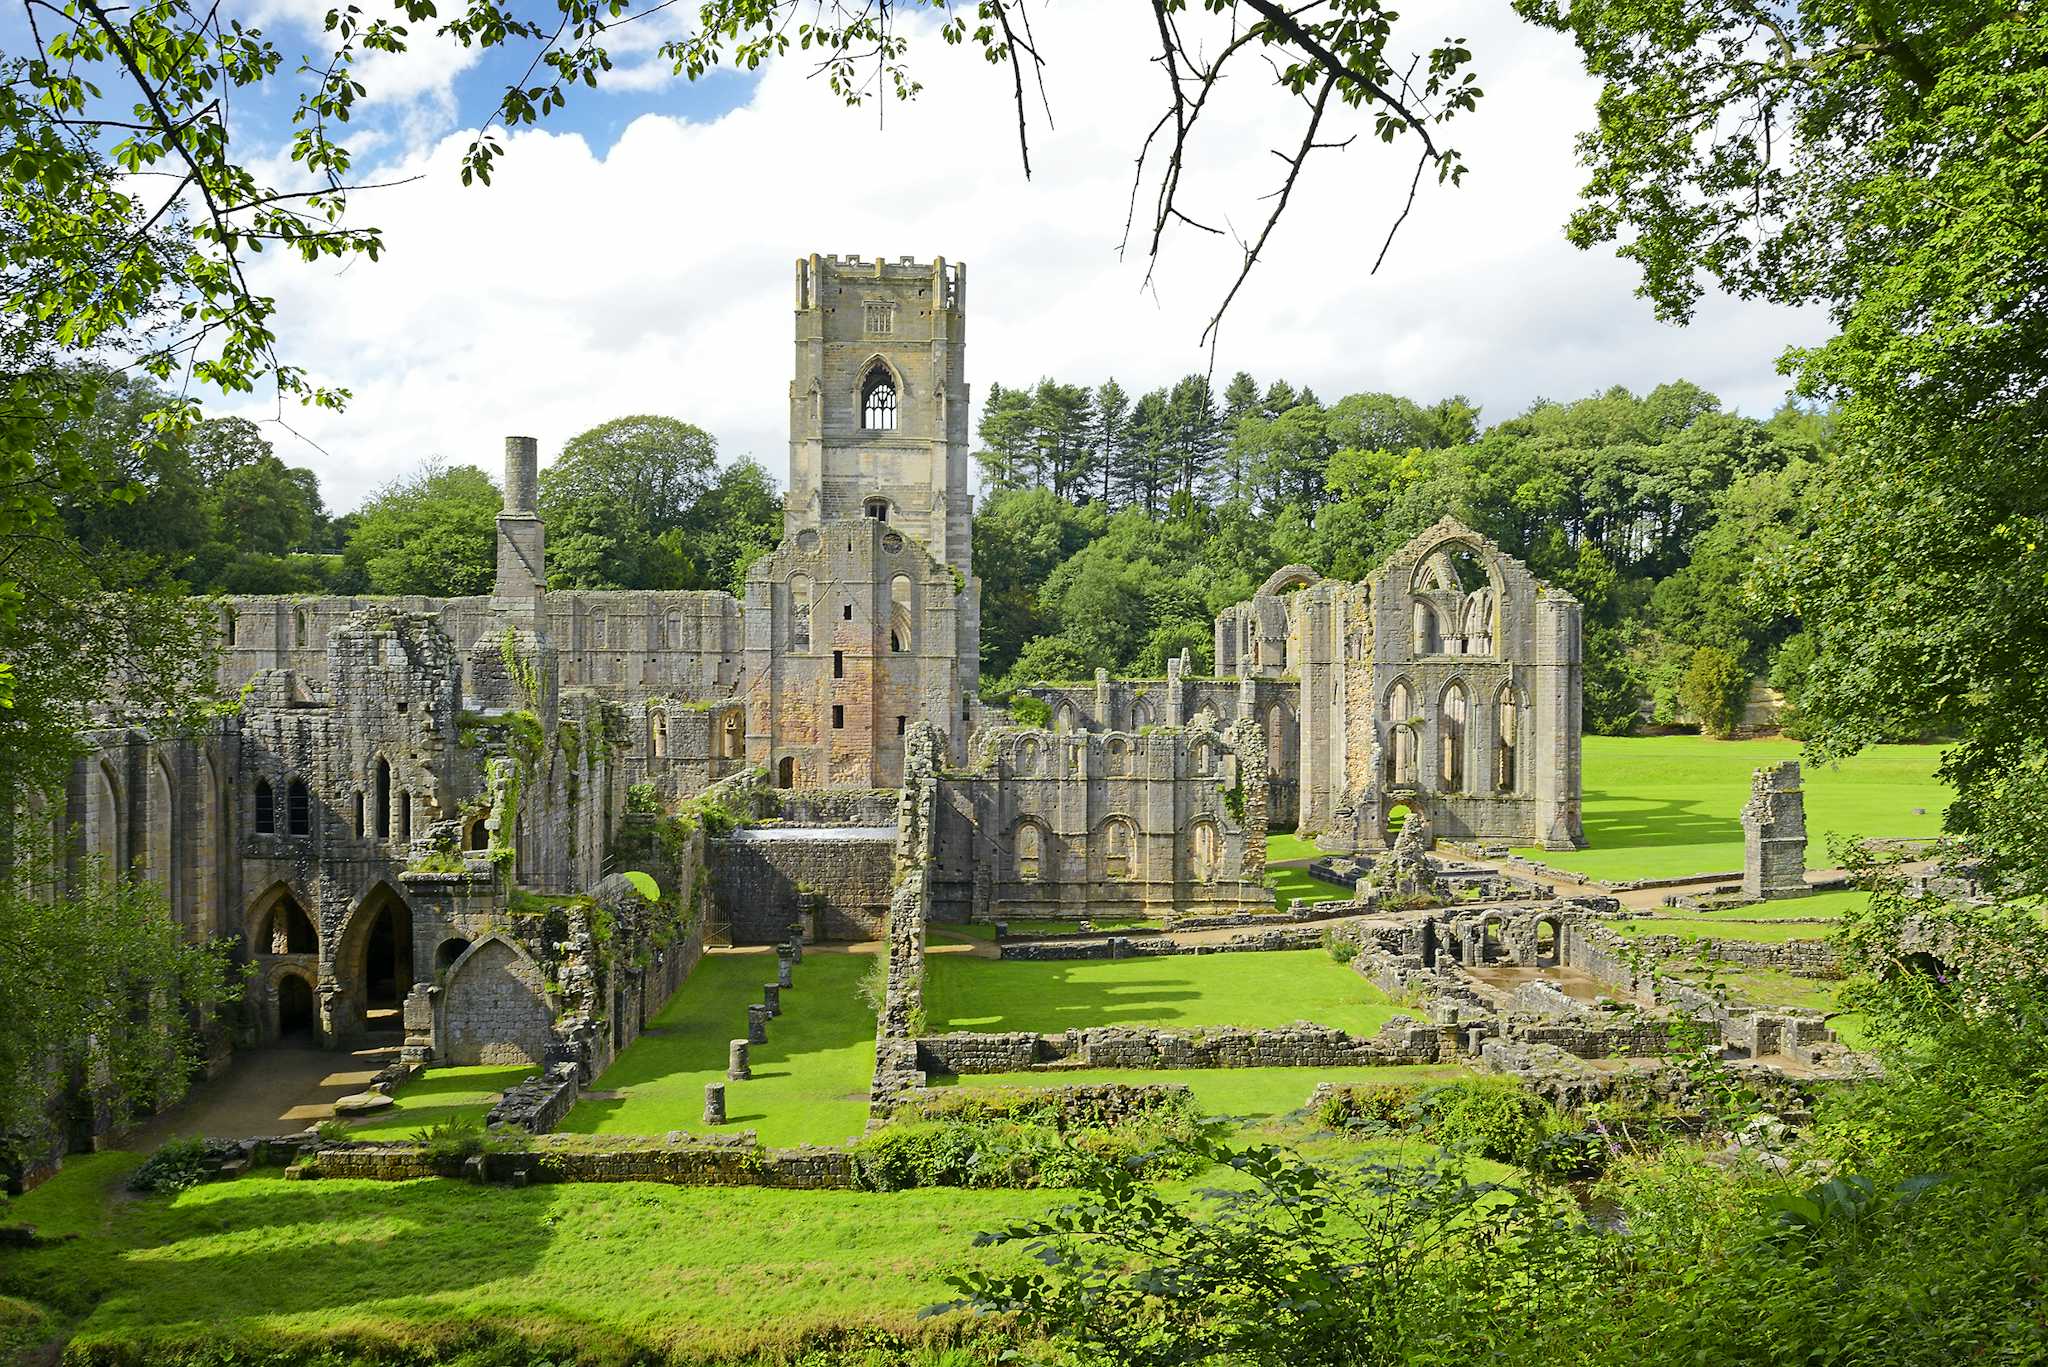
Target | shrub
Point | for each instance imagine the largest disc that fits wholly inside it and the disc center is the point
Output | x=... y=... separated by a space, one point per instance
x=1375 y=1108
x=1023 y=1153
x=176 y=1165
x=643 y=799
x=1495 y=1119
x=874 y=984
x=332 y=1130
x=1342 y=945
x=1030 y=711
x=1714 y=688
x=1569 y=1154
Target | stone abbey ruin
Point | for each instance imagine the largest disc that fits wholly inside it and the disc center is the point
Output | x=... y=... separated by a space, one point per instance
x=422 y=815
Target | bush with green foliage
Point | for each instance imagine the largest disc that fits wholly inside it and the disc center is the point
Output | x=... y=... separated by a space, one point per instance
x=1713 y=690
x=176 y=1165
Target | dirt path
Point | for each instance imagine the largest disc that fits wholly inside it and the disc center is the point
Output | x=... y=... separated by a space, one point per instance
x=277 y=1090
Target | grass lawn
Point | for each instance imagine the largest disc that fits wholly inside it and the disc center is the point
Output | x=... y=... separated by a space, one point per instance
x=439 y=1095
x=1255 y=990
x=810 y=1082
x=1288 y=845
x=1762 y=932
x=589 y=1272
x=1666 y=806
x=1822 y=905
x=1294 y=885
x=1246 y=1093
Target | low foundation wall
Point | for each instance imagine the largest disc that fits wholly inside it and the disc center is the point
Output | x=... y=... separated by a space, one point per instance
x=1400 y=1041
x=1307 y=935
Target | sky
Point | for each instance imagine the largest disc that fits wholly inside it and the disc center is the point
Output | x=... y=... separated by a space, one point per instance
x=634 y=254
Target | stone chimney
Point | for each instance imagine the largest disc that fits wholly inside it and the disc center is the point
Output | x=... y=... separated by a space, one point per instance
x=522 y=540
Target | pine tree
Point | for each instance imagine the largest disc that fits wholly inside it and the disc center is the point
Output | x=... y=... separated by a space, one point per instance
x=1112 y=435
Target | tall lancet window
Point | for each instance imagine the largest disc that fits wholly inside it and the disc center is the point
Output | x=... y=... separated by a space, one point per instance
x=878 y=401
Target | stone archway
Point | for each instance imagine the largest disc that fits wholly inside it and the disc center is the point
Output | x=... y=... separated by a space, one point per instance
x=373 y=963
x=297 y=1013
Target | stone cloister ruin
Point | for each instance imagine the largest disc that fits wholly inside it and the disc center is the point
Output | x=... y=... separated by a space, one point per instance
x=419 y=817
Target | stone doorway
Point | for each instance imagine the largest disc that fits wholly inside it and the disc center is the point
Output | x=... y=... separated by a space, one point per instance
x=295 y=1013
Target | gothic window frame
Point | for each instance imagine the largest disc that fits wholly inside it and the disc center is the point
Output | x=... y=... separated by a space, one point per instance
x=880 y=397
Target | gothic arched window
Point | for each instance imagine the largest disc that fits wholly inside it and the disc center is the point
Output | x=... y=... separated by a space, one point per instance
x=878 y=401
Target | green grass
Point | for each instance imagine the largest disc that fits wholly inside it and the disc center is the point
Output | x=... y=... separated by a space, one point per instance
x=1294 y=885
x=1828 y=906
x=810 y=1083
x=1667 y=806
x=1254 y=990
x=1760 y=932
x=590 y=1272
x=440 y=1095
x=1288 y=845
x=1247 y=1093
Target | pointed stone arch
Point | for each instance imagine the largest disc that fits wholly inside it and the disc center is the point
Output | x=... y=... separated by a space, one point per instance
x=371 y=960
x=494 y=1005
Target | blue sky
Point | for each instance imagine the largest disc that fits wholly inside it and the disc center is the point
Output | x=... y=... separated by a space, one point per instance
x=634 y=254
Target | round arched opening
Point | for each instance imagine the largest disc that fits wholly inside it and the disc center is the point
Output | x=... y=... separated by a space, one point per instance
x=295 y=1014
x=1397 y=817
x=1546 y=944
x=785 y=773
x=447 y=952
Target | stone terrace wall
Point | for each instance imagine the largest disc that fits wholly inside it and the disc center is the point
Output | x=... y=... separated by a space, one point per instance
x=1302 y=1045
x=1606 y=954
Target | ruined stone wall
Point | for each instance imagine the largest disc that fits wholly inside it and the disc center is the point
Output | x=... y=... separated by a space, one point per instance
x=769 y=881
x=630 y=645
x=1081 y=824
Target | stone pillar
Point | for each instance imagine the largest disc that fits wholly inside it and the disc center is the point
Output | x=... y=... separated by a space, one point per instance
x=771 y=998
x=785 y=976
x=736 y=1061
x=714 y=1103
x=1774 y=834
x=796 y=946
x=757 y=1025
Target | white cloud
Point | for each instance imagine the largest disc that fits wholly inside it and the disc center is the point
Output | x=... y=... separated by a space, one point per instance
x=656 y=277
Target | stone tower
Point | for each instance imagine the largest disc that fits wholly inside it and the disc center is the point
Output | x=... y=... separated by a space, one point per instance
x=878 y=406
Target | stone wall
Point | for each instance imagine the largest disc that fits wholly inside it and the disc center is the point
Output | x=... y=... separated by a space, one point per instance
x=901 y=1017
x=1307 y=936
x=835 y=883
x=1084 y=824
x=1302 y=1045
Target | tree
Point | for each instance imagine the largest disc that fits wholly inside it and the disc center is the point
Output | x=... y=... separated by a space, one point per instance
x=1757 y=148
x=103 y=988
x=614 y=494
x=735 y=523
x=1006 y=453
x=432 y=532
x=1112 y=434
x=1714 y=689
